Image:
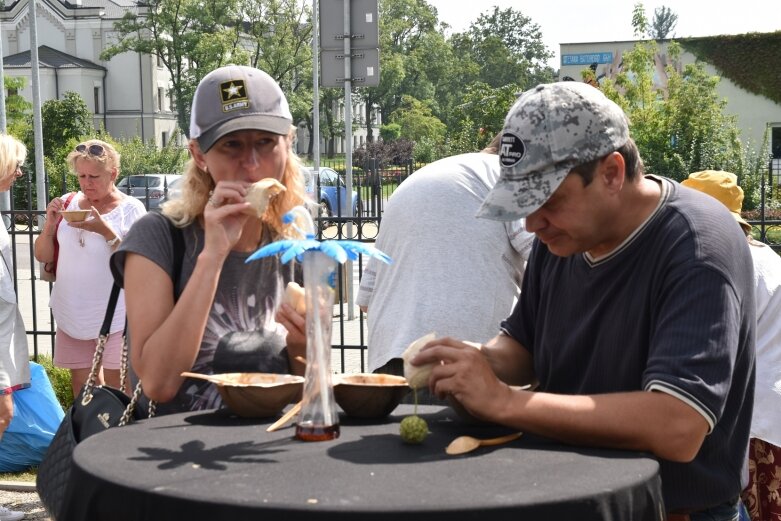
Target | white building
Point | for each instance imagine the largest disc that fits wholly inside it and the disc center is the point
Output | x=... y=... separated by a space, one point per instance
x=755 y=113
x=128 y=95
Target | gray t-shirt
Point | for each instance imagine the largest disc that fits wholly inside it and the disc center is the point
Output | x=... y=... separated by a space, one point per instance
x=452 y=273
x=241 y=333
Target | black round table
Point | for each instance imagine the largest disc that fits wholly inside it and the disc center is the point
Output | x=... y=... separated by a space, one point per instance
x=214 y=466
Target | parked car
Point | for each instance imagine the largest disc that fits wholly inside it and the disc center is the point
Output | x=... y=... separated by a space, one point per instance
x=333 y=192
x=174 y=189
x=150 y=189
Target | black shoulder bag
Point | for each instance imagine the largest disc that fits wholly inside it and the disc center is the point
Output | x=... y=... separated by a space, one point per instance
x=97 y=408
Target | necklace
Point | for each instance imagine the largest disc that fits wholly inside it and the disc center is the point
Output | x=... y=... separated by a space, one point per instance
x=81 y=238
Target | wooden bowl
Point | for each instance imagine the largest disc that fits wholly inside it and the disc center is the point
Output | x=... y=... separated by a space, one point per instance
x=369 y=395
x=258 y=395
x=73 y=216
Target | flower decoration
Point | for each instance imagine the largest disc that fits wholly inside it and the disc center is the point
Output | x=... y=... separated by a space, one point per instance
x=340 y=251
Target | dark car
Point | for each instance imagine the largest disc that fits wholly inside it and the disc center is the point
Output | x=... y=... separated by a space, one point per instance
x=333 y=192
x=150 y=189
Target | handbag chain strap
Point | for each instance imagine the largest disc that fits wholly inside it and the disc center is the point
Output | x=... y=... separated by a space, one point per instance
x=178 y=251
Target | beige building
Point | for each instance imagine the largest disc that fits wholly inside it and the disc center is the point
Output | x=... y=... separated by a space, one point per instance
x=756 y=114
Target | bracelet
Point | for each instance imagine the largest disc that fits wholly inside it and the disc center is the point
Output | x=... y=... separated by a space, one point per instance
x=113 y=241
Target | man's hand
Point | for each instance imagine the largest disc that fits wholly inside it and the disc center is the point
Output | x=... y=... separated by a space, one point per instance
x=461 y=370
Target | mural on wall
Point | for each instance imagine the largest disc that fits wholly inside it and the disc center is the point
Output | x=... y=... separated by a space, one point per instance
x=610 y=64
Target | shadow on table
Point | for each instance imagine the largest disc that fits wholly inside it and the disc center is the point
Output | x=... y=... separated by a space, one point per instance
x=215 y=458
x=195 y=453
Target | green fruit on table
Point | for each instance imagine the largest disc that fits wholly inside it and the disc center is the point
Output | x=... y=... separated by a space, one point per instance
x=413 y=429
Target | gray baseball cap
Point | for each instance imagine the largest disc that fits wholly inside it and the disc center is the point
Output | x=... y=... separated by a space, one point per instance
x=549 y=130
x=237 y=97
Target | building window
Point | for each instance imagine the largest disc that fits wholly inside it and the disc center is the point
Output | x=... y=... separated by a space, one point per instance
x=160 y=59
x=164 y=138
x=96 y=99
x=160 y=99
x=775 y=142
x=13 y=92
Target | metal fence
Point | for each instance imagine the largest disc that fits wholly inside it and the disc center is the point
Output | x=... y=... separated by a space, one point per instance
x=349 y=326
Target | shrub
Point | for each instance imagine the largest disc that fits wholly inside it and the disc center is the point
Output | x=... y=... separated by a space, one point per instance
x=60 y=379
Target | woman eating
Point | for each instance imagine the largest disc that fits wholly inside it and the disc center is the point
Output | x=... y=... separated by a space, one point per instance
x=80 y=294
x=214 y=313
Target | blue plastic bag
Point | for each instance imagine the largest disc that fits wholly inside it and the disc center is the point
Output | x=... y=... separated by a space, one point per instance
x=37 y=415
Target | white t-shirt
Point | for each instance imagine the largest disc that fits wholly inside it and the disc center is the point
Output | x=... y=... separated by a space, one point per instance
x=452 y=273
x=766 y=420
x=80 y=294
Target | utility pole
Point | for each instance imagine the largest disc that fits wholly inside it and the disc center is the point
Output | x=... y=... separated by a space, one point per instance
x=40 y=186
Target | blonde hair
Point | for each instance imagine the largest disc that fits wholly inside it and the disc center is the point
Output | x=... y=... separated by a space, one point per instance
x=109 y=160
x=12 y=153
x=197 y=184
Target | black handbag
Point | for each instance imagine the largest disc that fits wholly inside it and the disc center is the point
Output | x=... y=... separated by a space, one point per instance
x=95 y=409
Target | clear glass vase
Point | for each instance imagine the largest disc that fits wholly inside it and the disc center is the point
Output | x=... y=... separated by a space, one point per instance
x=319 y=418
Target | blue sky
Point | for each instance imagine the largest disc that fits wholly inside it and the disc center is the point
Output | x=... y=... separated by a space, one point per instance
x=572 y=21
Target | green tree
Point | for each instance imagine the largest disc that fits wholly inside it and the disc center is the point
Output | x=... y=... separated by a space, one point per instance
x=138 y=157
x=406 y=28
x=663 y=24
x=417 y=122
x=64 y=122
x=682 y=129
x=481 y=116
x=508 y=49
x=190 y=37
x=17 y=109
x=278 y=36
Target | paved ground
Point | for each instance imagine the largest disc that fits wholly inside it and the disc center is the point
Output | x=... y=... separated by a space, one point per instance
x=22 y=497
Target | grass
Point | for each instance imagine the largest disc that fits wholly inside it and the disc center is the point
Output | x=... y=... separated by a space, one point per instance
x=25 y=475
x=60 y=379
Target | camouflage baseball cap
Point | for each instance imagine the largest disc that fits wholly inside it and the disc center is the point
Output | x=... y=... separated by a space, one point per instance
x=549 y=130
x=237 y=97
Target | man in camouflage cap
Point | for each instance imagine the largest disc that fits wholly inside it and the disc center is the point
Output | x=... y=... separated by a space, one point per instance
x=636 y=316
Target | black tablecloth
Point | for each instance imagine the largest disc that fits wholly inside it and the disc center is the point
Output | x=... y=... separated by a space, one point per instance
x=213 y=466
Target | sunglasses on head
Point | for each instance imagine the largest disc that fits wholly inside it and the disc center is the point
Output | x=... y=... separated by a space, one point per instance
x=94 y=150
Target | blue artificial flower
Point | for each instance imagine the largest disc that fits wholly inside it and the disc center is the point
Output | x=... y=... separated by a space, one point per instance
x=339 y=251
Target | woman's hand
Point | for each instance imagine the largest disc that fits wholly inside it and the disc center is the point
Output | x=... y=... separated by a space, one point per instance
x=53 y=210
x=224 y=218
x=95 y=224
x=295 y=323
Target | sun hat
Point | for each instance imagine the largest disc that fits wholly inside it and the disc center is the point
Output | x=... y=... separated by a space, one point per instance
x=237 y=97
x=548 y=131
x=724 y=187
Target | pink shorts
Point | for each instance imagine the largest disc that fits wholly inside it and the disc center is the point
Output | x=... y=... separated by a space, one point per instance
x=72 y=353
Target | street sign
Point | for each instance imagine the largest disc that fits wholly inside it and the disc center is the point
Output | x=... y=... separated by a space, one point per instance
x=363 y=24
x=365 y=65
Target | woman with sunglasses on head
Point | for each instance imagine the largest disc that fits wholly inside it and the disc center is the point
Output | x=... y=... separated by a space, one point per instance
x=14 y=366
x=213 y=313
x=80 y=295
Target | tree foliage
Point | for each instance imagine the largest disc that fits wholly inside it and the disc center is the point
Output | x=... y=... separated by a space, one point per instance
x=17 y=109
x=682 y=129
x=663 y=24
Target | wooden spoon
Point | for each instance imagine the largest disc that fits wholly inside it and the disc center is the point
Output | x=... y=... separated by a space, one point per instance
x=285 y=417
x=464 y=444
